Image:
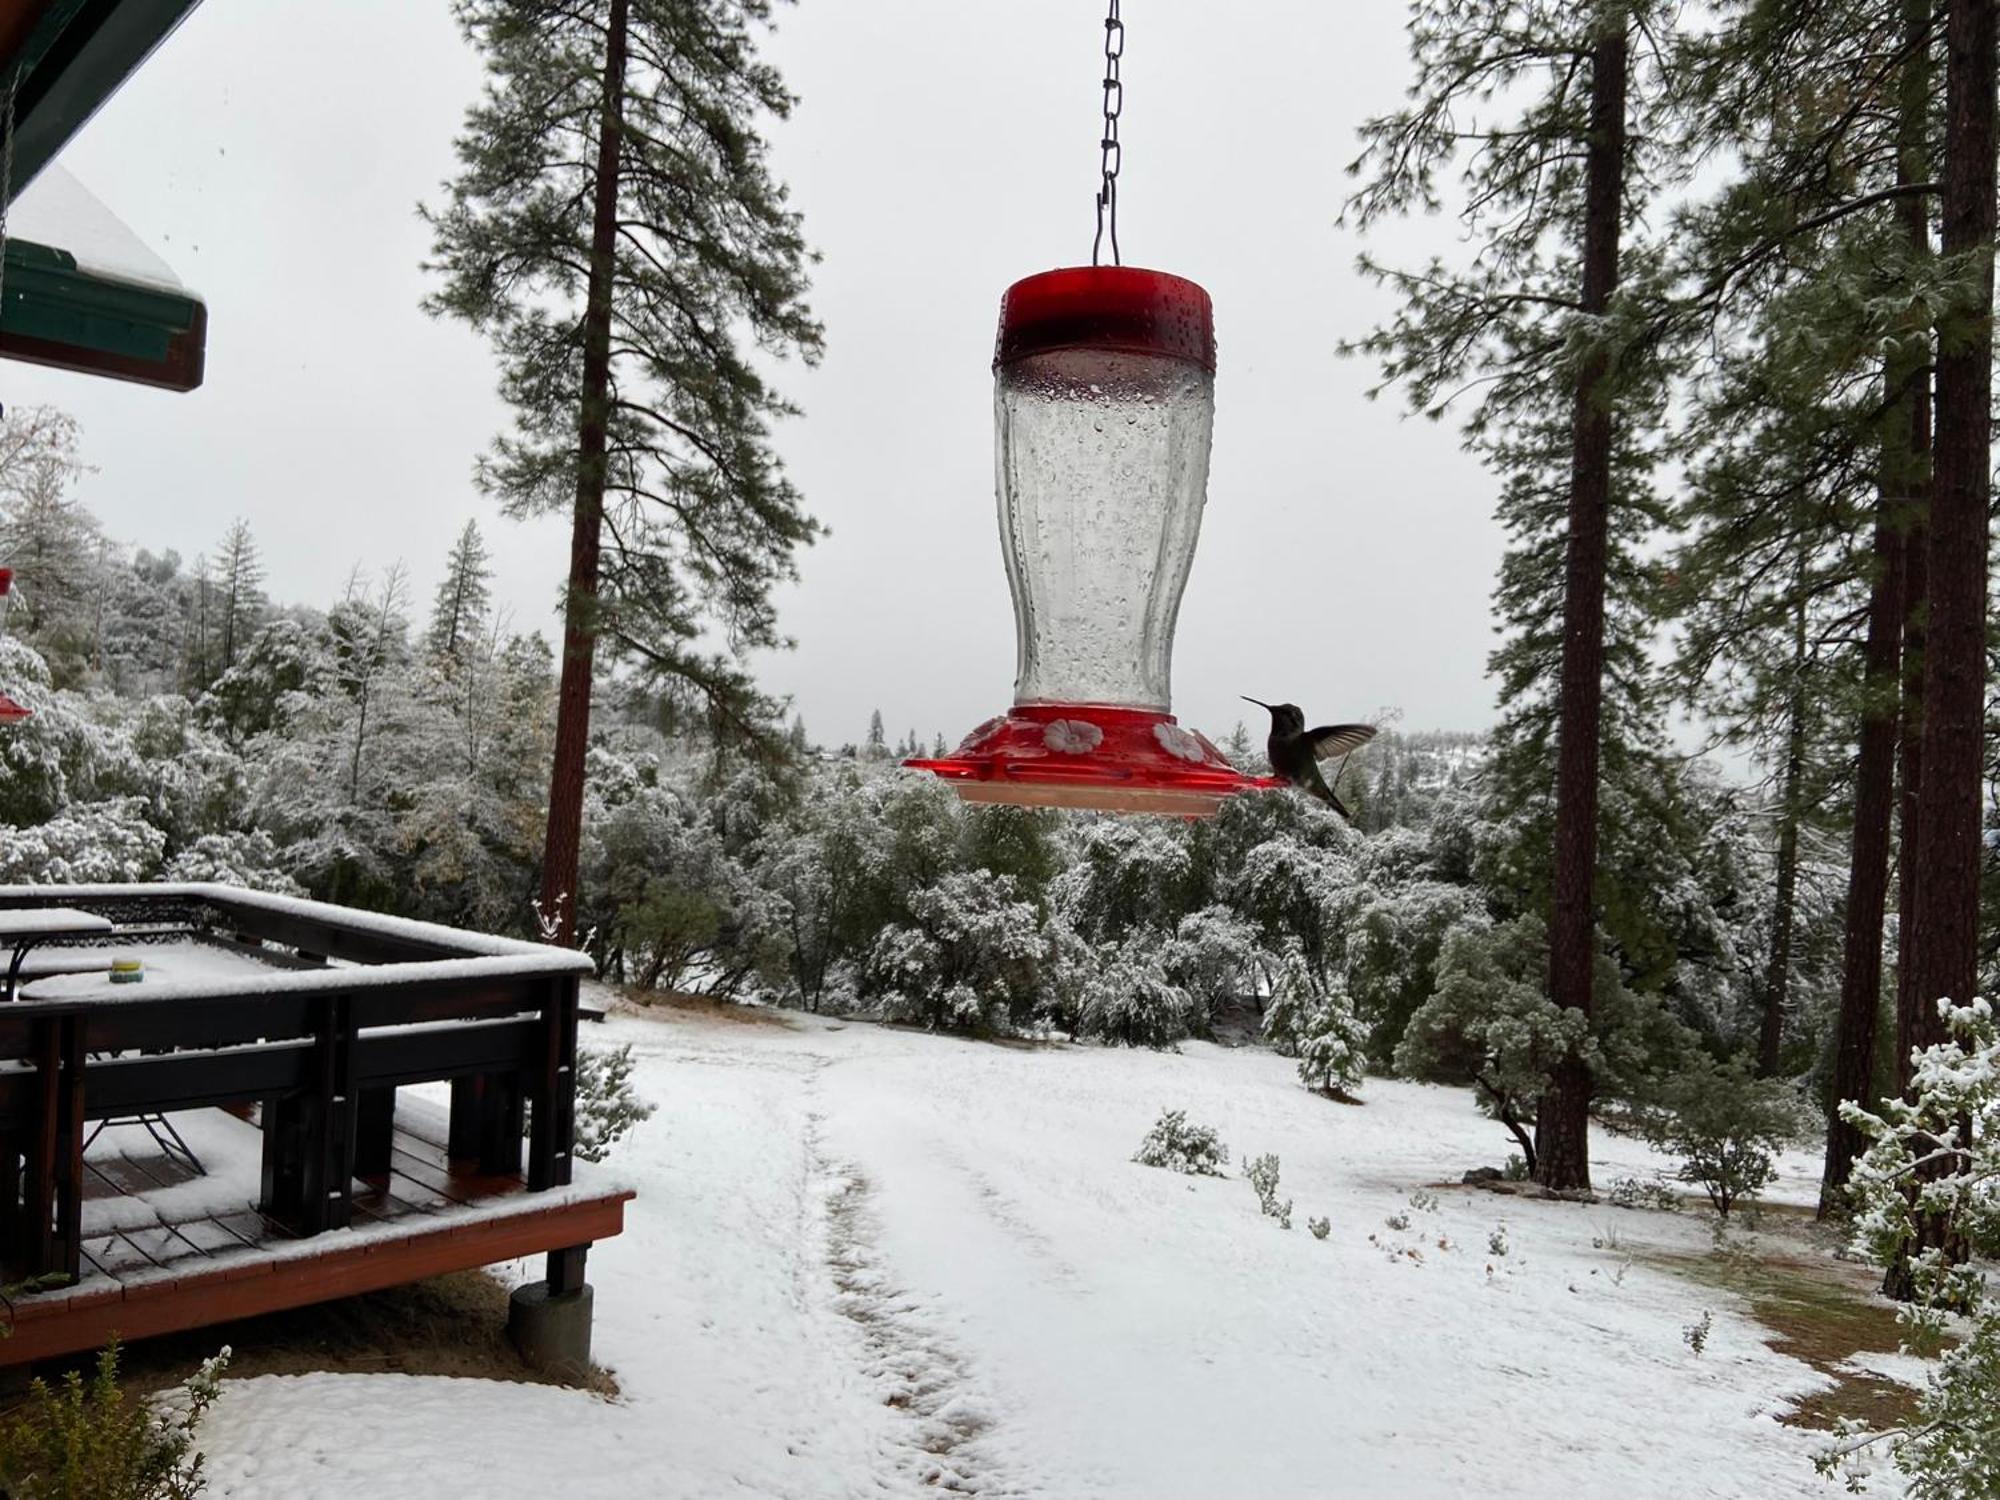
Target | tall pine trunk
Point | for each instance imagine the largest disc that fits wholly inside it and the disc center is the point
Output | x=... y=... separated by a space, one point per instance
x=1562 y=1124
x=1944 y=938
x=563 y=843
x=1874 y=799
x=1784 y=902
x=1899 y=501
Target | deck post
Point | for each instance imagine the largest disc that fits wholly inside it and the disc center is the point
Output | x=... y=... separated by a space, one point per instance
x=374 y=1133
x=554 y=1090
x=67 y=1257
x=37 y=1239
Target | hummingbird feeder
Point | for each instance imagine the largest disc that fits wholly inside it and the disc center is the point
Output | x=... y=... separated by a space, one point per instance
x=1103 y=405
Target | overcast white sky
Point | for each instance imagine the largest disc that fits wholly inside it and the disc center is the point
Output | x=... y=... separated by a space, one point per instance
x=274 y=152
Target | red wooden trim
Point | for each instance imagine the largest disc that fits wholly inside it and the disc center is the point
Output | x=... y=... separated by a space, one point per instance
x=88 y=1317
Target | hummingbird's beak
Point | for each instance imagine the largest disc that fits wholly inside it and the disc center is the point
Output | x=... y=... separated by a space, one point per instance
x=1258 y=701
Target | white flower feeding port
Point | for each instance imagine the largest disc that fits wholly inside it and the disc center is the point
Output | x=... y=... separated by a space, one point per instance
x=1104 y=402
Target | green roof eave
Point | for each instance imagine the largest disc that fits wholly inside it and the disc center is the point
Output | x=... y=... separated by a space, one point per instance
x=54 y=313
x=75 y=58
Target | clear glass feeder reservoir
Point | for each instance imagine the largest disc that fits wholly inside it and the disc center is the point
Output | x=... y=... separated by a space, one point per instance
x=1103 y=403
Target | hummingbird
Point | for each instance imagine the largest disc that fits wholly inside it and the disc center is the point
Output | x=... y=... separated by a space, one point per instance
x=1296 y=751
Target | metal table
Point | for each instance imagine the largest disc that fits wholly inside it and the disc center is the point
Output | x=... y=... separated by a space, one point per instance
x=23 y=929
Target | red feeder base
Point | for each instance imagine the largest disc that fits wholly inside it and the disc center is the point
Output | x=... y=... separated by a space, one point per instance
x=10 y=711
x=1085 y=755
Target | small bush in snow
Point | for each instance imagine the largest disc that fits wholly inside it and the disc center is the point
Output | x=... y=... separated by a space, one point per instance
x=1398 y=1222
x=1724 y=1124
x=1172 y=1143
x=1425 y=1202
x=1695 y=1335
x=1922 y=1164
x=1630 y=1192
x=87 y=1440
x=1320 y=1227
x=606 y=1107
x=1515 y=1168
x=1496 y=1242
x=1263 y=1175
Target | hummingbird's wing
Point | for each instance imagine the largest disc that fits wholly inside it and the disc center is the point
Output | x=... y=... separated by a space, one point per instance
x=1330 y=740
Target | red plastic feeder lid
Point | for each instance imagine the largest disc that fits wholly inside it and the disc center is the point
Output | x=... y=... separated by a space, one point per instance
x=1087 y=755
x=1118 y=308
x=12 y=712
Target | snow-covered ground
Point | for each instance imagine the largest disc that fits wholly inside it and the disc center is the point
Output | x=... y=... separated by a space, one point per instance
x=867 y=1262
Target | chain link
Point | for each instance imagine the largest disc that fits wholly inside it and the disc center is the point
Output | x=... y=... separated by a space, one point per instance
x=7 y=175
x=1111 y=154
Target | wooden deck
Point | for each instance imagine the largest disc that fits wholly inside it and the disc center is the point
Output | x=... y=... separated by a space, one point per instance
x=165 y=1248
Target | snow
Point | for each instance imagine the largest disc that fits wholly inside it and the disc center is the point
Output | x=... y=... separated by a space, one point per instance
x=185 y=965
x=876 y=1262
x=58 y=211
x=488 y=955
x=232 y=1152
x=380 y=923
x=35 y=924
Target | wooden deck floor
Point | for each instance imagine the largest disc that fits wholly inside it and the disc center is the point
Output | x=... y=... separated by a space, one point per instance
x=165 y=1248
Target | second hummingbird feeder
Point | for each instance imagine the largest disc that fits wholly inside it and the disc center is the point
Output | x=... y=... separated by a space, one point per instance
x=1104 y=401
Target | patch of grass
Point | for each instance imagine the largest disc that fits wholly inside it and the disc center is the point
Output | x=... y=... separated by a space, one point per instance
x=1822 y=1314
x=449 y=1325
x=706 y=1006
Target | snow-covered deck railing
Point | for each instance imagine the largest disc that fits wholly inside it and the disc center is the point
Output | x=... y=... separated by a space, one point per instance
x=322 y=1013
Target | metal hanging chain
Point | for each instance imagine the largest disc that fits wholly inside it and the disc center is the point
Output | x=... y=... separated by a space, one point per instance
x=7 y=176
x=1111 y=154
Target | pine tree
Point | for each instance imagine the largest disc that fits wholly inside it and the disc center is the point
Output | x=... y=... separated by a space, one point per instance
x=1944 y=918
x=49 y=539
x=239 y=601
x=616 y=232
x=1534 y=107
x=458 y=614
x=368 y=629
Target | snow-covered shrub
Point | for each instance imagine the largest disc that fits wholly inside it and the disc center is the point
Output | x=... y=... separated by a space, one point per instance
x=1216 y=956
x=1124 y=875
x=95 y=843
x=1724 y=1124
x=250 y=860
x=1128 y=997
x=1630 y=1192
x=1695 y=1335
x=1172 y=1143
x=606 y=1106
x=1320 y=1227
x=968 y=958
x=1263 y=1178
x=1921 y=1164
x=87 y=1438
x=1393 y=938
x=1496 y=1241
x=1491 y=1023
x=1330 y=1042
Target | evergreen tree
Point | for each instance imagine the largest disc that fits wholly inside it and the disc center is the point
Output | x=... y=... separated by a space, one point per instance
x=238 y=572
x=1550 y=120
x=616 y=232
x=459 y=611
x=49 y=539
x=1944 y=917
